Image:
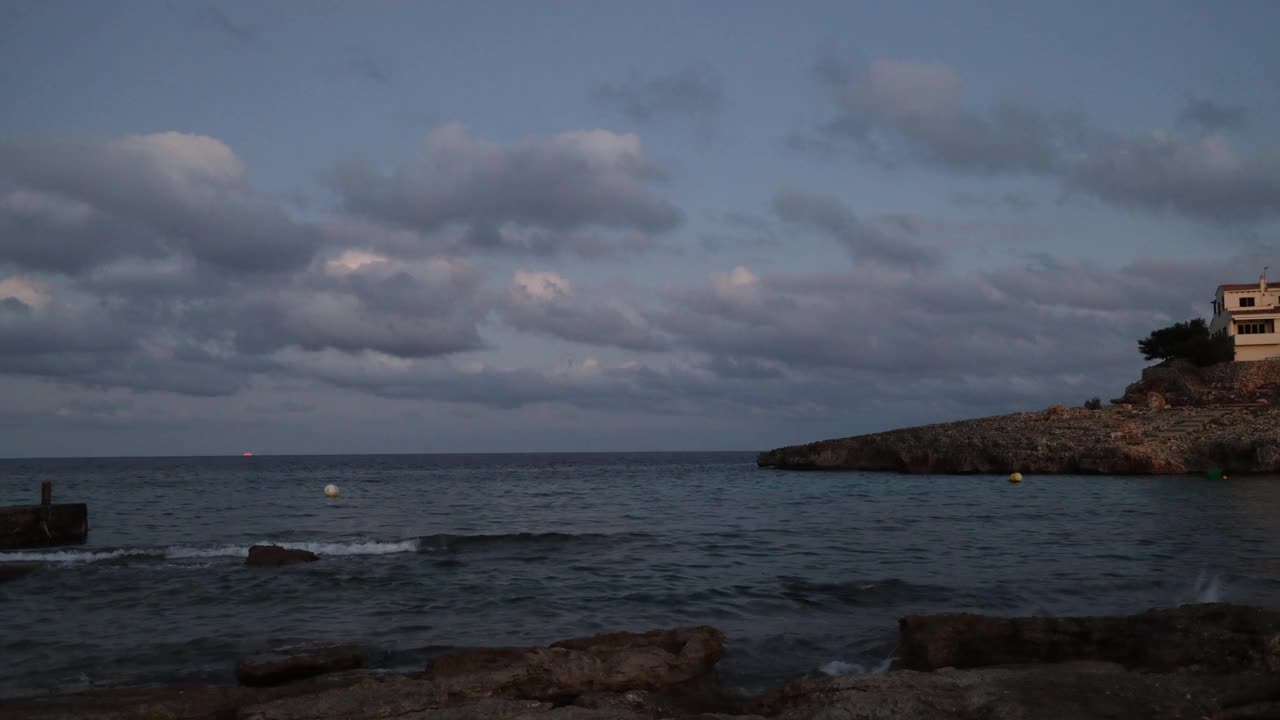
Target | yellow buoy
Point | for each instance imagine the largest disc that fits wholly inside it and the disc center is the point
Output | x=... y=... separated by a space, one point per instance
x=331 y=491
x=1015 y=478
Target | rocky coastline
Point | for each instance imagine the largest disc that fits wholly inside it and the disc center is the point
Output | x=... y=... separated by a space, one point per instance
x=1176 y=419
x=1214 y=661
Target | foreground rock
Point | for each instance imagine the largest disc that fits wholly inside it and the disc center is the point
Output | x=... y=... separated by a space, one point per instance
x=279 y=668
x=1214 y=662
x=615 y=662
x=1222 y=417
x=272 y=555
x=1071 y=691
x=1213 y=638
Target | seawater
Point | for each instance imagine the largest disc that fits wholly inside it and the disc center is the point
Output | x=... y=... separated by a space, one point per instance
x=807 y=573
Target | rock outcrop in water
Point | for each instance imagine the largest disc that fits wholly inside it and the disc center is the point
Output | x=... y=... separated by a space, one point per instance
x=272 y=555
x=280 y=668
x=1175 y=420
x=1146 y=666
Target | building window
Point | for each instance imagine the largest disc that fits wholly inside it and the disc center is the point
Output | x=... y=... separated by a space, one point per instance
x=1251 y=328
x=1246 y=302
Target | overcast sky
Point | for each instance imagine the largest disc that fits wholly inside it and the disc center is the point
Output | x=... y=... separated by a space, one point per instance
x=378 y=226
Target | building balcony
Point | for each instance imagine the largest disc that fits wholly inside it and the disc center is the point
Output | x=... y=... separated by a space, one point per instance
x=1270 y=338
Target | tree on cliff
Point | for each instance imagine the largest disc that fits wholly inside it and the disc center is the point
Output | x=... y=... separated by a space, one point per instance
x=1190 y=341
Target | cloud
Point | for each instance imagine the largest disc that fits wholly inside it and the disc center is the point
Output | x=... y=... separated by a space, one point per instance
x=585 y=191
x=910 y=111
x=76 y=204
x=545 y=302
x=1040 y=321
x=1203 y=177
x=1208 y=116
x=224 y=26
x=865 y=242
x=694 y=92
x=907 y=111
x=363 y=64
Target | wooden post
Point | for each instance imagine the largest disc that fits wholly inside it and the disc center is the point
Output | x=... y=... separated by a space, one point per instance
x=46 y=492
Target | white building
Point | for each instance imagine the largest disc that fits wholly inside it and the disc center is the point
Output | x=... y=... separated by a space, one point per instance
x=1248 y=313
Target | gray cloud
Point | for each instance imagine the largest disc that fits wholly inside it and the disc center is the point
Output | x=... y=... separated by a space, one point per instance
x=224 y=26
x=695 y=92
x=74 y=204
x=897 y=111
x=545 y=302
x=1040 y=322
x=403 y=311
x=1203 y=178
x=865 y=242
x=541 y=194
x=363 y=64
x=1208 y=116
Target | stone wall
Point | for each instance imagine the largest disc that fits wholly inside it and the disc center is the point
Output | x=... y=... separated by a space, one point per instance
x=1225 y=383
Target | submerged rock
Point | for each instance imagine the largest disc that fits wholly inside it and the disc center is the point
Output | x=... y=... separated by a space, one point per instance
x=271 y=555
x=13 y=571
x=278 y=668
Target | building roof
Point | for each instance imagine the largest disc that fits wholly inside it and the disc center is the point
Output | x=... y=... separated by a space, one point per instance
x=1244 y=286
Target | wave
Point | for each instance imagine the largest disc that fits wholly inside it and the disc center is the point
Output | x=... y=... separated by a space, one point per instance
x=427 y=544
x=445 y=543
x=190 y=552
x=887 y=592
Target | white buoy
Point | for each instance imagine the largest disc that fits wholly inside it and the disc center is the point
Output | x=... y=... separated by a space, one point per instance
x=331 y=490
x=1015 y=478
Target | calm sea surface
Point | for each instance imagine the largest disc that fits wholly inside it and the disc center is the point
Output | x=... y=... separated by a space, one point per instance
x=806 y=573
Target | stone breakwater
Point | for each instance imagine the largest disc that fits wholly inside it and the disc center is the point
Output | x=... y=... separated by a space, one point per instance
x=1212 y=662
x=1176 y=419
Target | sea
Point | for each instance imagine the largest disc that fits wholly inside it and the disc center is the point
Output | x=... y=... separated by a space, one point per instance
x=806 y=573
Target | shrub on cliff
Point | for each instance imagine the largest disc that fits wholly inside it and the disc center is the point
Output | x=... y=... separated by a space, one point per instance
x=1189 y=341
x=1093 y=404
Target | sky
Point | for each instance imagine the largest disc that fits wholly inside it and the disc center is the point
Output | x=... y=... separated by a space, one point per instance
x=340 y=227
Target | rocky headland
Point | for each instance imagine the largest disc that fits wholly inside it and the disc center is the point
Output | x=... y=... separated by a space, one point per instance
x=1201 y=662
x=1176 y=419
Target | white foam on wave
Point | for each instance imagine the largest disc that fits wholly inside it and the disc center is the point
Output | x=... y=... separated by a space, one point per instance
x=187 y=552
x=1208 y=588
x=369 y=547
x=72 y=556
x=836 y=668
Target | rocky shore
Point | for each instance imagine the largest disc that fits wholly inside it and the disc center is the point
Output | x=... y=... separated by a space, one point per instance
x=1214 y=661
x=1175 y=420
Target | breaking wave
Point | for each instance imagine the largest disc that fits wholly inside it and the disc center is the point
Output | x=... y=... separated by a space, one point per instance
x=428 y=544
x=836 y=668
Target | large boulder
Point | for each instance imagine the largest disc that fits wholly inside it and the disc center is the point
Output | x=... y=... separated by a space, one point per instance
x=615 y=662
x=272 y=555
x=1205 y=638
x=278 y=668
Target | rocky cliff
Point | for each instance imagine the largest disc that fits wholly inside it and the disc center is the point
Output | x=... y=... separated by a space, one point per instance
x=1175 y=420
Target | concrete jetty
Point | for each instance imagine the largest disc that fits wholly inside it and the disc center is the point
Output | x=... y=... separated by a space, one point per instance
x=43 y=525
